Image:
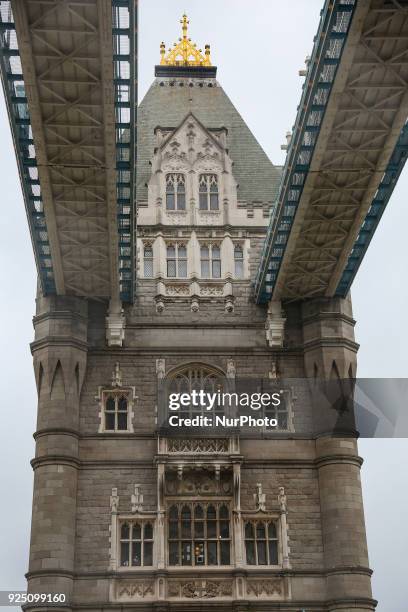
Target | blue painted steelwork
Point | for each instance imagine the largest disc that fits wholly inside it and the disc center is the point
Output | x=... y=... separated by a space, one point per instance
x=124 y=17
x=19 y=117
x=328 y=46
x=374 y=214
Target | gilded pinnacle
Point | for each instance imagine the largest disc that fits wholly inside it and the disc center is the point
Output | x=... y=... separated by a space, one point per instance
x=185 y=52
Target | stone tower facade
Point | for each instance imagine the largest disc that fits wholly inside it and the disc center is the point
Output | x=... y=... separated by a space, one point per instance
x=128 y=517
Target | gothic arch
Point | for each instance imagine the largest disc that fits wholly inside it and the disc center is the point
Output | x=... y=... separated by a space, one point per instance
x=196 y=366
x=196 y=376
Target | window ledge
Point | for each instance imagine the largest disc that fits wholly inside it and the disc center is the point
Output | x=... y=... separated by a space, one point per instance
x=119 y=432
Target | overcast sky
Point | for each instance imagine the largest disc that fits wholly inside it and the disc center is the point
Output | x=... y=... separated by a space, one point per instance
x=258 y=46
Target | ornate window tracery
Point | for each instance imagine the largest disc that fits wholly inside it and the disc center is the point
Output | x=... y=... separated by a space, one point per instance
x=136 y=544
x=116 y=411
x=238 y=261
x=148 y=261
x=175 y=192
x=199 y=533
x=196 y=377
x=176 y=261
x=208 y=192
x=261 y=542
x=210 y=255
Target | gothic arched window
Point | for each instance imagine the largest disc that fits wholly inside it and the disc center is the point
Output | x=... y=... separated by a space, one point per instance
x=175 y=192
x=238 y=261
x=199 y=534
x=176 y=261
x=280 y=413
x=210 y=255
x=208 y=192
x=196 y=377
x=115 y=412
x=148 y=260
x=261 y=543
x=136 y=544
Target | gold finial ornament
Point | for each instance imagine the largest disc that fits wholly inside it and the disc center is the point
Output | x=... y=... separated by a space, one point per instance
x=184 y=53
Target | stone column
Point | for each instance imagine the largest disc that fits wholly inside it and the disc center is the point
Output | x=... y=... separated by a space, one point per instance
x=60 y=351
x=160 y=529
x=330 y=354
x=236 y=516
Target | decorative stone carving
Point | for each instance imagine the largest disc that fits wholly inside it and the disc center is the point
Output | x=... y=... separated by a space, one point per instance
x=177 y=290
x=210 y=217
x=260 y=498
x=211 y=290
x=231 y=370
x=159 y=306
x=195 y=306
x=136 y=589
x=114 y=501
x=229 y=306
x=117 y=376
x=275 y=325
x=137 y=500
x=273 y=373
x=259 y=588
x=176 y=218
x=282 y=499
x=199 y=482
x=115 y=328
x=198 y=445
x=160 y=368
x=284 y=528
x=200 y=589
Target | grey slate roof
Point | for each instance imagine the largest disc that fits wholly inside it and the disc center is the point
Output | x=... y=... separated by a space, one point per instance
x=166 y=106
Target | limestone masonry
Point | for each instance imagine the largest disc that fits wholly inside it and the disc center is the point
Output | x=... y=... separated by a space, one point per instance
x=127 y=516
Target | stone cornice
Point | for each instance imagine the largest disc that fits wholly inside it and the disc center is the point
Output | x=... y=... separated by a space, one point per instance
x=68 y=460
x=61 y=573
x=176 y=350
x=349 y=569
x=307 y=463
x=335 y=459
x=331 y=341
x=347 y=603
x=206 y=570
x=54 y=431
x=59 y=314
x=58 y=341
x=325 y=316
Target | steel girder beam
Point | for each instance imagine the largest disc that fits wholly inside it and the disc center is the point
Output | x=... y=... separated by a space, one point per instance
x=346 y=153
x=76 y=70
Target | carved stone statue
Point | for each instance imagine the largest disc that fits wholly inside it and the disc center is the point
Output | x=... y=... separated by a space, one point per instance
x=114 y=501
x=282 y=499
x=273 y=374
x=137 y=500
x=260 y=498
x=160 y=368
x=117 y=376
x=231 y=370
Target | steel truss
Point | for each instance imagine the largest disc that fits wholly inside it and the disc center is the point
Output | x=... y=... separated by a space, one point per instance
x=74 y=88
x=346 y=153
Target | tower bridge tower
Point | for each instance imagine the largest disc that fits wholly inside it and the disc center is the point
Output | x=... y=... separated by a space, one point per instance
x=127 y=516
